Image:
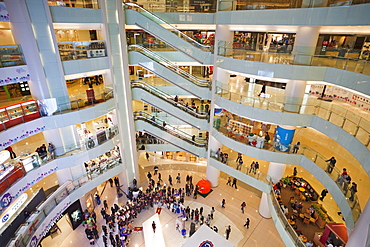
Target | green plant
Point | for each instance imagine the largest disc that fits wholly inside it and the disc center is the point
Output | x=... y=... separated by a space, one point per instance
x=286 y=180
x=319 y=211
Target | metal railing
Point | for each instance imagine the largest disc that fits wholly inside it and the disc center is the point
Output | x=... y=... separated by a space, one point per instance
x=311 y=154
x=36 y=219
x=11 y=55
x=168 y=64
x=169 y=129
x=168 y=98
x=89 y=4
x=167 y=26
x=345 y=119
x=254 y=173
x=358 y=65
x=82 y=50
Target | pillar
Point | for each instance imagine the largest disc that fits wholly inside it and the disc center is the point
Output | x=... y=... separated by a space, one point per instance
x=64 y=175
x=264 y=208
x=64 y=139
x=213 y=174
x=276 y=171
x=305 y=44
x=113 y=13
x=224 y=34
x=33 y=30
x=83 y=203
x=283 y=137
x=293 y=96
x=360 y=234
x=123 y=181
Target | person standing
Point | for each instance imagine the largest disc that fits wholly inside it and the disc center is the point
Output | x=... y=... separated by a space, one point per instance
x=170 y=179
x=178 y=178
x=12 y=154
x=223 y=203
x=252 y=167
x=295 y=171
x=234 y=183
x=296 y=147
x=116 y=182
x=227 y=232
x=228 y=181
x=159 y=177
x=51 y=149
x=247 y=223
x=242 y=206
x=239 y=157
x=353 y=191
x=155 y=170
x=147 y=156
x=154 y=226
x=331 y=164
x=111 y=182
x=240 y=163
x=256 y=167
x=212 y=212
x=323 y=194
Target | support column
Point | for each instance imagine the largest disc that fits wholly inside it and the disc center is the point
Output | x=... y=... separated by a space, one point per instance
x=64 y=175
x=213 y=174
x=33 y=29
x=360 y=234
x=123 y=181
x=64 y=139
x=305 y=44
x=293 y=95
x=276 y=171
x=116 y=45
x=264 y=209
x=224 y=34
x=283 y=137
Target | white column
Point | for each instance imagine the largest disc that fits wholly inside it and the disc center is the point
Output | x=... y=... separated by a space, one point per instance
x=123 y=181
x=83 y=203
x=360 y=234
x=64 y=139
x=293 y=95
x=305 y=44
x=64 y=175
x=223 y=33
x=283 y=138
x=276 y=171
x=213 y=174
x=264 y=208
x=33 y=29
x=116 y=44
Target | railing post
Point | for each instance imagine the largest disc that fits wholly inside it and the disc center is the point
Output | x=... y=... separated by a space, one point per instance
x=344 y=121
x=356 y=131
x=330 y=112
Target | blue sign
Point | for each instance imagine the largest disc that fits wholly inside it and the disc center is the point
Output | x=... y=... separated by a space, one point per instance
x=6 y=200
x=283 y=139
x=206 y=243
x=5 y=218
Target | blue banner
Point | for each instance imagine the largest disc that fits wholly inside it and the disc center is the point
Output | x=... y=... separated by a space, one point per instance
x=283 y=138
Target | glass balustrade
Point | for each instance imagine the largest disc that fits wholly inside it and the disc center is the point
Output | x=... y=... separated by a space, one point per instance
x=358 y=65
x=313 y=155
x=167 y=26
x=19 y=170
x=45 y=208
x=346 y=119
x=11 y=55
x=82 y=50
x=227 y=5
x=89 y=4
x=169 y=129
x=244 y=169
x=284 y=221
x=169 y=65
x=168 y=98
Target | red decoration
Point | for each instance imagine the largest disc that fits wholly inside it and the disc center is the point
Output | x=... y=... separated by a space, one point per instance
x=204 y=186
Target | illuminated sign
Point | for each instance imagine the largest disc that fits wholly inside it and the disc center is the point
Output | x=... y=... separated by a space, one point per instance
x=13 y=209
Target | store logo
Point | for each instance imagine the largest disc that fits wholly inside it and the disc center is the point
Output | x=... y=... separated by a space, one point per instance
x=206 y=243
x=5 y=218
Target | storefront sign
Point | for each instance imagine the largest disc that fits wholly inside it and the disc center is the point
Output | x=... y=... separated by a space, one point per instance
x=6 y=200
x=13 y=209
x=14 y=74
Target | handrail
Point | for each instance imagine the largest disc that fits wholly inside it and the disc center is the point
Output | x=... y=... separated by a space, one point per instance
x=244 y=169
x=160 y=94
x=168 y=26
x=37 y=218
x=361 y=132
x=311 y=154
x=169 y=128
x=153 y=56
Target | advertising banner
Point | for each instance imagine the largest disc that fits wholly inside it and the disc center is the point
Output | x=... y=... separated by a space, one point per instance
x=283 y=138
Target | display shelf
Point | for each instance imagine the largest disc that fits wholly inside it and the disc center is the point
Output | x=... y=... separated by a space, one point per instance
x=240 y=127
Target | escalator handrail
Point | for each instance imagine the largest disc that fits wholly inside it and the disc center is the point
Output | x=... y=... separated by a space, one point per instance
x=155 y=91
x=170 y=129
x=148 y=53
x=184 y=36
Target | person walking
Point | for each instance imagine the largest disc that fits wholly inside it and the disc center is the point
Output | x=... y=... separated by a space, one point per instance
x=228 y=181
x=323 y=194
x=353 y=191
x=242 y=206
x=234 y=183
x=263 y=89
x=295 y=172
x=227 y=232
x=212 y=212
x=240 y=163
x=12 y=154
x=331 y=164
x=256 y=167
x=239 y=157
x=110 y=182
x=147 y=156
x=252 y=167
x=296 y=147
x=178 y=178
x=156 y=168
x=223 y=203
x=154 y=226
x=247 y=223
x=170 y=179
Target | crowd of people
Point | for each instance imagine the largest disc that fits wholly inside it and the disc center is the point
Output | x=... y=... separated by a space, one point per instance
x=42 y=151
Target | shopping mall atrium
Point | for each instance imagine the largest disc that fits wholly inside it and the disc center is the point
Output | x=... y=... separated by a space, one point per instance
x=184 y=123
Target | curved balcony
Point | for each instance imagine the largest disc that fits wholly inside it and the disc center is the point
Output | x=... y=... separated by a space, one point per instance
x=44 y=167
x=161 y=100
x=170 y=134
x=309 y=159
x=348 y=129
x=39 y=222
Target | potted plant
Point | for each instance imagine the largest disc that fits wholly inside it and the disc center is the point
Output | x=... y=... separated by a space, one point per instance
x=285 y=181
x=320 y=215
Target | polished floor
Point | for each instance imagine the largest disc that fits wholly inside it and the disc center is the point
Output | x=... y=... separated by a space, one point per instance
x=262 y=231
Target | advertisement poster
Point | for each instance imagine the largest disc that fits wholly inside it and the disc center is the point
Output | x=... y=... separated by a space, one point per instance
x=283 y=138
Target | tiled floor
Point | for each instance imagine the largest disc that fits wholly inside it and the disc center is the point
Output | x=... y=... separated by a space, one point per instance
x=262 y=231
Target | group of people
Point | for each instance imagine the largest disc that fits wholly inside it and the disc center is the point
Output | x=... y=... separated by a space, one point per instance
x=42 y=151
x=201 y=109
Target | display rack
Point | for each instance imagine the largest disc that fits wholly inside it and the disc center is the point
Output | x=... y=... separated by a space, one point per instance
x=242 y=128
x=15 y=114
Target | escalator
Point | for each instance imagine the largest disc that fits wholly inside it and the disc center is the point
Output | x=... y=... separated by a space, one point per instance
x=165 y=102
x=169 y=134
x=168 y=71
x=152 y=24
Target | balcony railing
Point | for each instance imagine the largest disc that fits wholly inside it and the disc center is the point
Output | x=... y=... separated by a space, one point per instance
x=40 y=160
x=358 y=63
x=345 y=119
x=311 y=154
x=11 y=55
x=37 y=218
x=82 y=50
x=89 y=4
